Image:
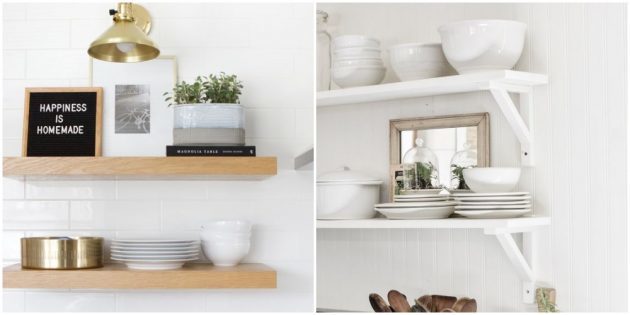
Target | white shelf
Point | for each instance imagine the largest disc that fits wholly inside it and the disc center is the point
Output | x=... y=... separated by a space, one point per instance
x=491 y=226
x=513 y=81
x=499 y=83
x=502 y=229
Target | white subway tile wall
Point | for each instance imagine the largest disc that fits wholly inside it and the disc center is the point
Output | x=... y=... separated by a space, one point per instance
x=579 y=177
x=269 y=46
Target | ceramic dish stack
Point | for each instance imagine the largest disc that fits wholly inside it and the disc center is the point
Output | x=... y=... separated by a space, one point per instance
x=421 y=206
x=356 y=61
x=155 y=254
x=493 y=205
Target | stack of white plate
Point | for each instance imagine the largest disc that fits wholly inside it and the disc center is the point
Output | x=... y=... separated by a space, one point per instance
x=493 y=205
x=155 y=254
x=356 y=61
x=417 y=207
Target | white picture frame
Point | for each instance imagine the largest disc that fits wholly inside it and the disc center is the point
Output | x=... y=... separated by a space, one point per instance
x=161 y=76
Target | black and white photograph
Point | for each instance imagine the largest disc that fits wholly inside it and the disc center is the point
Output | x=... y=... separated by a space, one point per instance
x=133 y=108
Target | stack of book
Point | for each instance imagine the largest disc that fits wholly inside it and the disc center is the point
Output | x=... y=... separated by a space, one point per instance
x=207 y=150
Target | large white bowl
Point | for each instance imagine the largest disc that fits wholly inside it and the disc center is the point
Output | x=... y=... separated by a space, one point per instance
x=225 y=253
x=346 y=41
x=416 y=61
x=347 y=195
x=492 y=179
x=358 y=76
x=356 y=53
x=483 y=45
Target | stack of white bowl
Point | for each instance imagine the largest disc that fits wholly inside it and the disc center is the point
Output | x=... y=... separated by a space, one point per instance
x=356 y=61
x=226 y=242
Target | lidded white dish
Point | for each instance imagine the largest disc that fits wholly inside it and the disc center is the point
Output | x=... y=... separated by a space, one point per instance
x=347 y=195
x=420 y=168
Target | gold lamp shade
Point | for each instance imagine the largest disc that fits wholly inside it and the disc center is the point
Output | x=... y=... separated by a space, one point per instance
x=126 y=40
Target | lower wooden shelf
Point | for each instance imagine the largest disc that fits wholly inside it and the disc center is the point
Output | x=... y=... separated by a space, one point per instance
x=118 y=276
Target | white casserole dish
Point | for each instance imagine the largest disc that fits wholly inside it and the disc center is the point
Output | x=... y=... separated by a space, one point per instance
x=347 y=195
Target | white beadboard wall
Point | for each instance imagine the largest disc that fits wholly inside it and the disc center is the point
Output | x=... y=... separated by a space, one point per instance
x=270 y=47
x=579 y=179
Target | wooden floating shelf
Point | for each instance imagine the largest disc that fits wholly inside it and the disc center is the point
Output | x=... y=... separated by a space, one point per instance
x=117 y=276
x=515 y=81
x=512 y=225
x=141 y=166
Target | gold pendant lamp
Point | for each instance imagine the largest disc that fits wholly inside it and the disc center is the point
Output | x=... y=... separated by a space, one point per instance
x=126 y=40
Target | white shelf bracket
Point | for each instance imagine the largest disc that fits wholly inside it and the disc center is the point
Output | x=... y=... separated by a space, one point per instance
x=521 y=260
x=520 y=121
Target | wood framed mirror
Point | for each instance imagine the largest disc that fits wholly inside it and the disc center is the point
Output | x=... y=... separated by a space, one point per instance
x=444 y=135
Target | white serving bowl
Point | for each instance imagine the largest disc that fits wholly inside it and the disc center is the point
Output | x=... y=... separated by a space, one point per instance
x=492 y=179
x=358 y=62
x=227 y=226
x=358 y=76
x=483 y=45
x=225 y=253
x=346 y=41
x=356 y=53
x=347 y=195
x=416 y=61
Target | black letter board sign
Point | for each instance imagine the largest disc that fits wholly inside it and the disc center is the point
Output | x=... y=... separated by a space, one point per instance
x=62 y=122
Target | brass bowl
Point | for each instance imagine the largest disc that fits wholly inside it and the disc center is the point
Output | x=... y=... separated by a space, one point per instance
x=60 y=252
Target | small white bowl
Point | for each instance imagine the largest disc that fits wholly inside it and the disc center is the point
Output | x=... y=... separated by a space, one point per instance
x=225 y=254
x=492 y=179
x=483 y=45
x=416 y=61
x=346 y=41
x=358 y=76
x=240 y=226
x=225 y=238
x=356 y=53
x=357 y=63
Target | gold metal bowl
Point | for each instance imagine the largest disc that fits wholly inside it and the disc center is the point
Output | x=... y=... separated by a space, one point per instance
x=60 y=252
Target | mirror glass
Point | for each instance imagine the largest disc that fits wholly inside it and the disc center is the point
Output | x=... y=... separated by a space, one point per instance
x=444 y=142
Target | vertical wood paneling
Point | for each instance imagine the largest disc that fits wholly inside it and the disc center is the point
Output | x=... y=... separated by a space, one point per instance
x=579 y=177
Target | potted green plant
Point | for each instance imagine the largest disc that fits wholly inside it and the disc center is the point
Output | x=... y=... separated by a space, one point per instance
x=208 y=111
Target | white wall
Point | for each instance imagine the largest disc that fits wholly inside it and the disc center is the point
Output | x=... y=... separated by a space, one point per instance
x=270 y=48
x=579 y=179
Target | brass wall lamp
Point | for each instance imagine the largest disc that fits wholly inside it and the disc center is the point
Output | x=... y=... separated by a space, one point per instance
x=126 y=40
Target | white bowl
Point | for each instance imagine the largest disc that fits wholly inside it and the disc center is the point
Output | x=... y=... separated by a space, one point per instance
x=356 y=53
x=225 y=253
x=492 y=179
x=483 y=45
x=358 y=62
x=358 y=76
x=416 y=61
x=346 y=41
x=235 y=226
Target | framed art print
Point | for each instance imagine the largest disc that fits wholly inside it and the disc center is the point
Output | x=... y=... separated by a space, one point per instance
x=136 y=119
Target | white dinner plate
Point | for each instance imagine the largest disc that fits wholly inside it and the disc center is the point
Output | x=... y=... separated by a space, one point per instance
x=501 y=194
x=155 y=248
x=154 y=258
x=139 y=265
x=421 y=196
x=126 y=252
x=467 y=207
x=417 y=213
x=493 y=214
x=395 y=205
x=423 y=199
x=493 y=203
x=486 y=199
x=155 y=261
x=155 y=241
x=420 y=192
